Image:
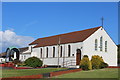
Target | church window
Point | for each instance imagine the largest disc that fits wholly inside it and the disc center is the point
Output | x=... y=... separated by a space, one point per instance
x=69 y=50
x=101 y=44
x=61 y=51
x=41 y=52
x=53 y=52
x=96 y=45
x=24 y=56
x=105 y=46
x=47 y=52
x=31 y=48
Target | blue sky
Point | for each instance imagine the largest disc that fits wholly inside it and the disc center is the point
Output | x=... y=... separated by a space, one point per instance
x=42 y=19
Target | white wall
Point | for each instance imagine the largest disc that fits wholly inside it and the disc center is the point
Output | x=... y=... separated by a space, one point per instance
x=89 y=47
x=23 y=57
x=2 y=60
x=26 y=54
x=29 y=49
x=54 y=61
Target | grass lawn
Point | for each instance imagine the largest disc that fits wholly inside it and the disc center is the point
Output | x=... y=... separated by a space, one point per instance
x=24 y=72
x=100 y=73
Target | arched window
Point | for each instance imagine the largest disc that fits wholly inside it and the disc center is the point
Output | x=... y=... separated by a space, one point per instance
x=69 y=50
x=24 y=56
x=61 y=51
x=105 y=46
x=101 y=46
x=41 y=52
x=31 y=48
x=47 y=52
x=53 y=52
x=96 y=45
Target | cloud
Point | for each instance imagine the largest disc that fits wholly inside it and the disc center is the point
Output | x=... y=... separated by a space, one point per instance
x=9 y=38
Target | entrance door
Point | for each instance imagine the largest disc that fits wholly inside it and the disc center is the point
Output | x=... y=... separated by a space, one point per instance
x=78 y=56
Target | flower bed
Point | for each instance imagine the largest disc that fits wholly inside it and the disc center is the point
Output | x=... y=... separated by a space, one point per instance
x=113 y=66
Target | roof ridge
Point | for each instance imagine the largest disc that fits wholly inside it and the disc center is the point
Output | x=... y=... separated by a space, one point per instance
x=37 y=41
x=70 y=32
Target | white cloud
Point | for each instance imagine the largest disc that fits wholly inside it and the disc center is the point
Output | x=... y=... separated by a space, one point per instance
x=9 y=38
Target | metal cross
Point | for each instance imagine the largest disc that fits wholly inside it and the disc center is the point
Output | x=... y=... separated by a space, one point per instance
x=102 y=19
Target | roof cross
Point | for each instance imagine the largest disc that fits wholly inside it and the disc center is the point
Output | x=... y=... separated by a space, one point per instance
x=102 y=19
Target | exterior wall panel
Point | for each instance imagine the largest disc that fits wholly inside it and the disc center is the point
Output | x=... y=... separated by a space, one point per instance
x=54 y=61
x=110 y=56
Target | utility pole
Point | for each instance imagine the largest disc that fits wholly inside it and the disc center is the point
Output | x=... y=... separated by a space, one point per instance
x=64 y=56
x=58 y=49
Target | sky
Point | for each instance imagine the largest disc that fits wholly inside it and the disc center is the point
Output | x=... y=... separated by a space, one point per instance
x=23 y=22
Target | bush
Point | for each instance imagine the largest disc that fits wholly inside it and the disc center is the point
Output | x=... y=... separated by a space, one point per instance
x=90 y=65
x=85 y=64
x=96 y=62
x=85 y=56
x=103 y=65
x=33 y=62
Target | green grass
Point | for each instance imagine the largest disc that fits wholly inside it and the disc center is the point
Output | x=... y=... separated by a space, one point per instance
x=100 y=73
x=24 y=72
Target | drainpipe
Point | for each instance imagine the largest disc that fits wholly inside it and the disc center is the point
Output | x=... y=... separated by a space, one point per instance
x=58 y=50
x=43 y=53
x=58 y=56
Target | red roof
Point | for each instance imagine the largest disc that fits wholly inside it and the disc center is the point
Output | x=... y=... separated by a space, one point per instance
x=72 y=37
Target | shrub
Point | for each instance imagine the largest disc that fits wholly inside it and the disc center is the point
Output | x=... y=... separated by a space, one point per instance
x=90 y=65
x=96 y=61
x=85 y=56
x=85 y=64
x=33 y=62
x=103 y=65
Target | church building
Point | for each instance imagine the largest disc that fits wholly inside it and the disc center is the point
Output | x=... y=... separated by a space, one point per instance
x=66 y=50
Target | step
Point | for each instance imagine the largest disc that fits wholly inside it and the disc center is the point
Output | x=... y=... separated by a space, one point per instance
x=73 y=66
